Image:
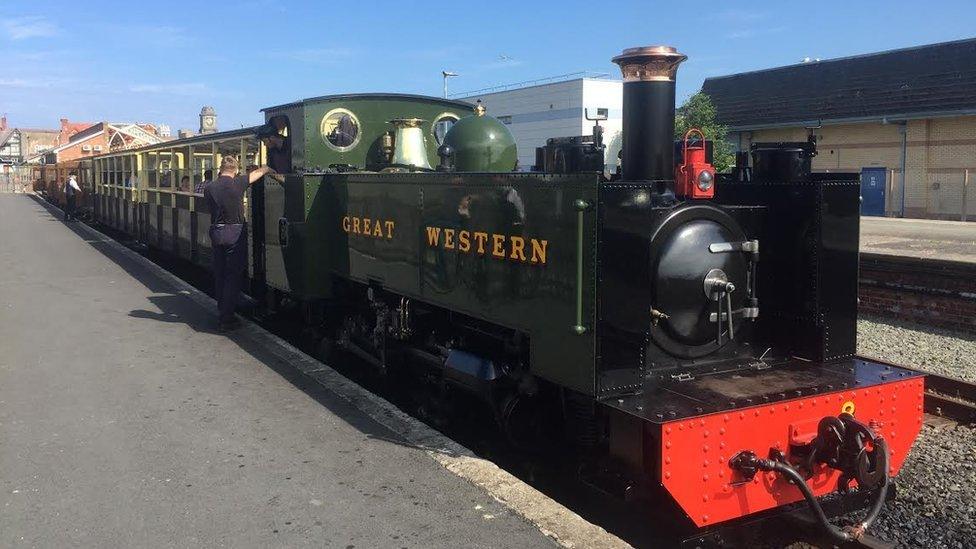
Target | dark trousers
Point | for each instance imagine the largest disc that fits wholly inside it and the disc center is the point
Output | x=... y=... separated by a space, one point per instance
x=229 y=264
x=69 y=207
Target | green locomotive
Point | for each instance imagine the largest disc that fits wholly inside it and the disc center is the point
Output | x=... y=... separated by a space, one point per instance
x=625 y=310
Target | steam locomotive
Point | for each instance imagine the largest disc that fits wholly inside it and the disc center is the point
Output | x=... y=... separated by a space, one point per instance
x=693 y=332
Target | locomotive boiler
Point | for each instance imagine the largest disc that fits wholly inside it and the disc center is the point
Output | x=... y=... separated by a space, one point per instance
x=692 y=334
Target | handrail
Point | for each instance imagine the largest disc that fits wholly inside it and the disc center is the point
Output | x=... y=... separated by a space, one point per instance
x=581 y=207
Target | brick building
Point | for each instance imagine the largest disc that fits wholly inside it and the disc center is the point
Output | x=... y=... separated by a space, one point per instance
x=905 y=119
x=101 y=138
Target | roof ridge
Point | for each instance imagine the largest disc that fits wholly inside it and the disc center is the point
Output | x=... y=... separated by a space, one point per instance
x=848 y=58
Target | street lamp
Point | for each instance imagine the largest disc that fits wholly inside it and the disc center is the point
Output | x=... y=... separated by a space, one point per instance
x=446 y=75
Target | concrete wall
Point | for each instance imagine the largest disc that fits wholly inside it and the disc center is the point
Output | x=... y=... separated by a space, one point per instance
x=536 y=113
x=938 y=154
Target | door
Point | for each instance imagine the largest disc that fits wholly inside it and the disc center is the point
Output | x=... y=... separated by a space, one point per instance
x=873 y=191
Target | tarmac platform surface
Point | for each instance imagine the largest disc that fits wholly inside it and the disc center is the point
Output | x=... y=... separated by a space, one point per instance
x=125 y=421
x=920 y=238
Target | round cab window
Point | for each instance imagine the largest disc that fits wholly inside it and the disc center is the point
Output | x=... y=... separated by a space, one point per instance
x=441 y=125
x=340 y=129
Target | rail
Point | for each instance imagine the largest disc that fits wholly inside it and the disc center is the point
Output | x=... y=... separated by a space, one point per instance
x=951 y=398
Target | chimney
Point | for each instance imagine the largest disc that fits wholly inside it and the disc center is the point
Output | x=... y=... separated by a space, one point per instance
x=3 y=122
x=648 y=117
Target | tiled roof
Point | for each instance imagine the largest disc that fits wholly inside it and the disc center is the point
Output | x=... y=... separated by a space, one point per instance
x=937 y=78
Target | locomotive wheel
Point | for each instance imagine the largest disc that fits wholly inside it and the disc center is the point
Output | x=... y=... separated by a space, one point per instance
x=522 y=422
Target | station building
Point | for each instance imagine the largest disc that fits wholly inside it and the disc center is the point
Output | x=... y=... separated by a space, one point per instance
x=555 y=107
x=905 y=119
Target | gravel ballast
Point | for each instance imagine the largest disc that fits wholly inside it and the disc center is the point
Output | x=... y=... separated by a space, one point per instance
x=936 y=505
x=930 y=349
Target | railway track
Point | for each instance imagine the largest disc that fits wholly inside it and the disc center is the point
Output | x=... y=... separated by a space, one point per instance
x=950 y=398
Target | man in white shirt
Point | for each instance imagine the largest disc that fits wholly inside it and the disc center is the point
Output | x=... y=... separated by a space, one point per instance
x=71 y=192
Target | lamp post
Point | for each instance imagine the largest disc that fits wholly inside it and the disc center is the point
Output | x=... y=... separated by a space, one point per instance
x=446 y=75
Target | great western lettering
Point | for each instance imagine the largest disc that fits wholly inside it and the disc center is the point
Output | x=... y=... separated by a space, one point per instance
x=364 y=226
x=499 y=246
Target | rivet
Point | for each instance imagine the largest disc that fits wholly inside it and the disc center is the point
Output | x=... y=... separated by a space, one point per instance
x=786 y=407
x=742 y=415
x=721 y=472
x=667 y=474
x=667 y=444
x=705 y=434
x=667 y=430
x=705 y=518
x=726 y=417
x=705 y=497
x=705 y=477
x=721 y=431
x=721 y=445
x=667 y=460
x=701 y=422
x=705 y=448
x=705 y=463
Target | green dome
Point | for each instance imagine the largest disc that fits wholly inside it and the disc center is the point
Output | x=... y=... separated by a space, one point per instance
x=482 y=144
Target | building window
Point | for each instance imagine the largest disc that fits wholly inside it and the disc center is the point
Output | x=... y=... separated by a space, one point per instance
x=603 y=112
x=507 y=119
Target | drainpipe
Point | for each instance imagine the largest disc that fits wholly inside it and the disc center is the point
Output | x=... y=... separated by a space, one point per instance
x=904 y=158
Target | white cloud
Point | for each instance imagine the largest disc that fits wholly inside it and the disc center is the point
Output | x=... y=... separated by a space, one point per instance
x=33 y=26
x=187 y=88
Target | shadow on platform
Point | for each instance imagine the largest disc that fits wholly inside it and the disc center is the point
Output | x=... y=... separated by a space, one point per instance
x=177 y=307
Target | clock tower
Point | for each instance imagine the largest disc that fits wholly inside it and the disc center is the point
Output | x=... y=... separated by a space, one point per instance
x=208 y=120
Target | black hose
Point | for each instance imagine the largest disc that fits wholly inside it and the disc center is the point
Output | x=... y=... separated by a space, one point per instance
x=789 y=472
x=839 y=535
x=880 y=448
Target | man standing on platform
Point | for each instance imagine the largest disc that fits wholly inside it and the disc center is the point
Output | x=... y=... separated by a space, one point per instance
x=225 y=197
x=71 y=192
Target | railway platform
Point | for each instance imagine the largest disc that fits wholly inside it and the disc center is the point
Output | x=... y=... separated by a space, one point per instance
x=126 y=421
x=919 y=238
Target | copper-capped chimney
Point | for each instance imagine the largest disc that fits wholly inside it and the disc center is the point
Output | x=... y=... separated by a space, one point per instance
x=648 y=117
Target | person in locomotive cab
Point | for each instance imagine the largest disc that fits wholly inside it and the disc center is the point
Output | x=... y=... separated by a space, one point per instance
x=71 y=192
x=276 y=140
x=225 y=197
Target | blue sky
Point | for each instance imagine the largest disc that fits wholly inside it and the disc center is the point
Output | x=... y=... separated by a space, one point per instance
x=162 y=61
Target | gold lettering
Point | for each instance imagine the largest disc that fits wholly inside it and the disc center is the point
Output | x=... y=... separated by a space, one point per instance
x=481 y=238
x=366 y=230
x=448 y=239
x=498 y=245
x=518 y=248
x=355 y=225
x=378 y=230
x=389 y=230
x=539 y=250
x=345 y=223
x=433 y=236
x=464 y=241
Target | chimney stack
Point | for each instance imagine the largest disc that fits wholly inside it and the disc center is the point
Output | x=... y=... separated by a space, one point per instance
x=648 y=117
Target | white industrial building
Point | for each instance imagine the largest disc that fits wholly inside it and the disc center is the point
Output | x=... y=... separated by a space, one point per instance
x=555 y=107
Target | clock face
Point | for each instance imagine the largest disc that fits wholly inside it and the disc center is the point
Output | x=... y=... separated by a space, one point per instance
x=208 y=122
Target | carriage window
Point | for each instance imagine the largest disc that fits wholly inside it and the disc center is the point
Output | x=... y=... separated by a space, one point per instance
x=441 y=125
x=153 y=159
x=340 y=129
